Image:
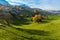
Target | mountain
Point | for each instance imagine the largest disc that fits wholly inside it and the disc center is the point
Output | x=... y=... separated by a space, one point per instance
x=22 y=8
x=24 y=5
x=54 y=11
x=4 y=3
x=37 y=9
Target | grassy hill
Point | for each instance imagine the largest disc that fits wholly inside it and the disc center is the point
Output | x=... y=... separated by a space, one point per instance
x=46 y=30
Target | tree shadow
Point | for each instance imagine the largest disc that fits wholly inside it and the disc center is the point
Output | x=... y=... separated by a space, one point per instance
x=35 y=32
x=29 y=31
x=21 y=22
x=2 y=26
x=44 y=22
x=31 y=38
x=20 y=37
x=32 y=32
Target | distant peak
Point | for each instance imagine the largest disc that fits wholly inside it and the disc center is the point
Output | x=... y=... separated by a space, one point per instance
x=24 y=5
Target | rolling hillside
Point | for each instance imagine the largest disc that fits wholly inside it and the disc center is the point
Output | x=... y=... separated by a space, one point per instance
x=49 y=30
x=16 y=24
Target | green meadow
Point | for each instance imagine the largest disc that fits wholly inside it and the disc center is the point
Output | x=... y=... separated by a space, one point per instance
x=46 y=30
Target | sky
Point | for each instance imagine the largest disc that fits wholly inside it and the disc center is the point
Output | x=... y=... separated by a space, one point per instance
x=42 y=4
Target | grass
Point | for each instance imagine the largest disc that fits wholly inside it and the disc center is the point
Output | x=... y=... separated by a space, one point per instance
x=47 y=30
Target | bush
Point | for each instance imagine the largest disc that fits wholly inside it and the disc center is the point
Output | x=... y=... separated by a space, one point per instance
x=38 y=18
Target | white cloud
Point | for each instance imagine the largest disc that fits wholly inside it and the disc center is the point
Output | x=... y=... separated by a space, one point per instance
x=43 y=4
x=45 y=7
x=48 y=7
x=17 y=2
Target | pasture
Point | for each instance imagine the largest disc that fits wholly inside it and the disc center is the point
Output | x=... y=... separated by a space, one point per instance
x=45 y=30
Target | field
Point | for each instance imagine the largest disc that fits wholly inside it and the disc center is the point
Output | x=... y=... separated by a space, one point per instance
x=46 y=30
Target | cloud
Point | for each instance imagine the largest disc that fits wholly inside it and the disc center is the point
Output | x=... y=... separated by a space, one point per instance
x=43 y=4
x=45 y=7
x=49 y=7
x=26 y=1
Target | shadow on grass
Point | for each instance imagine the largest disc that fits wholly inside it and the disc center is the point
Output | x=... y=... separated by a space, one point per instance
x=31 y=38
x=21 y=22
x=2 y=26
x=35 y=32
x=30 y=32
x=46 y=21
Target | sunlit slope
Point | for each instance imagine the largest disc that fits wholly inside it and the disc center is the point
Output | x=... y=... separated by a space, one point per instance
x=35 y=31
